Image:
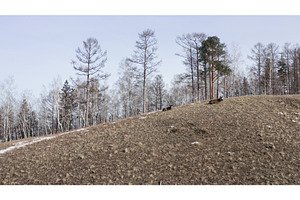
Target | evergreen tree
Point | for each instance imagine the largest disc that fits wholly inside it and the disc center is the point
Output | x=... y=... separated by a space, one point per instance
x=212 y=51
x=283 y=78
x=68 y=103
x=33 y=124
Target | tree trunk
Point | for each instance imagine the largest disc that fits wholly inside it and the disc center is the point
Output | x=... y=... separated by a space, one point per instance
x=218 y=86
x=52 y=124
x=144 y=90
x=212 y=79
x=198 y=76
x=192 y=72
x=87 y=97
x=259 y=81
x=160 y=99
x=225 y=96
x=288 y=79
x=205 y=81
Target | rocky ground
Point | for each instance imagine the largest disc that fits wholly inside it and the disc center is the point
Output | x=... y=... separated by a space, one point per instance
x=240 y=141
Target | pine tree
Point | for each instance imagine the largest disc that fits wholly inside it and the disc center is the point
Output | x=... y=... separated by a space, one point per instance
x=68 y=103
x=212 y=51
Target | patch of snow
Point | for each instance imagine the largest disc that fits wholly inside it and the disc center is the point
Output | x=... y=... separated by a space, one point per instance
x=66 y=133
x=296 y=113
x=151 y=112
x=171 y=126
x=196 y=142
x=25 y=143
x=293 y=121
x=82 y=129
x=281 y=113
x=268 y=126
x=8 y=149
x=143 y=117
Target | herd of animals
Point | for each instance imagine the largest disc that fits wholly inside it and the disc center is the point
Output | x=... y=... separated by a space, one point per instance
x=213 y=101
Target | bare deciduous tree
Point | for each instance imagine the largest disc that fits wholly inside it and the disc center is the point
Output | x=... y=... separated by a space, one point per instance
x=185 y=41
x=91 y=61
x=158 y=91
x=8 y=110
x=257 y=57
x=145 y=56
x=128 y=89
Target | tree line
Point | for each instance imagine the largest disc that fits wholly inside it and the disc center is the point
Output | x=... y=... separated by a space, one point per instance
x=212 y=71
x=276 y=70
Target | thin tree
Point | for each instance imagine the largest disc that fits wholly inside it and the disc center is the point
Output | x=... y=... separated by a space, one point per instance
x=91 y=61
x=127 y=86
x=185 y=41
x=145 y=57
x=158 y=91
x=7 y=102
x=272 y=52
x=197 y=39
x=24 y=119
x=287 y=55
x=257 y=57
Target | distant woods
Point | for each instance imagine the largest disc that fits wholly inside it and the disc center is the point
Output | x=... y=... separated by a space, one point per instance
x=275 y=70
x=210 y=70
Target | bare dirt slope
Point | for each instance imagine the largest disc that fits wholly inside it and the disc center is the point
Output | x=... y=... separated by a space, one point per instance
x=244 y=140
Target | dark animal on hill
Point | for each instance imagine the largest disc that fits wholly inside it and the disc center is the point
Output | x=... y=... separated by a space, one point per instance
x=167 y=108
x=213 y=101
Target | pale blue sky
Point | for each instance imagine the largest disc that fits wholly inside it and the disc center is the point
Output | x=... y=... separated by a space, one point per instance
x=35 y=49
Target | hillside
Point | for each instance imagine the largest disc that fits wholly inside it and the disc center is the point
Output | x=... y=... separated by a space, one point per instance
x=242 y=140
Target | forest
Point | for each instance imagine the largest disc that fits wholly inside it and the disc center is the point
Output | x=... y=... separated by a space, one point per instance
x=210 y=72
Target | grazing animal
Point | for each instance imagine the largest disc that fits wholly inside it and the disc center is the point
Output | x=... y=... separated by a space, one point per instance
x=213 y=101
x=167 y=108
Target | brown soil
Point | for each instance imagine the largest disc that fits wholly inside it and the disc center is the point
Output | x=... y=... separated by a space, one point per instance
x=244 y=140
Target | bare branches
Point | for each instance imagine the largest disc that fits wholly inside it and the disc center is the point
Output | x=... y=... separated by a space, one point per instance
x=92 y=59
x=191 y=44
x=145 y=57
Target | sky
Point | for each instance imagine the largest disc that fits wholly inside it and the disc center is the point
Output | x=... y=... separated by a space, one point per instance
x=35 y=49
